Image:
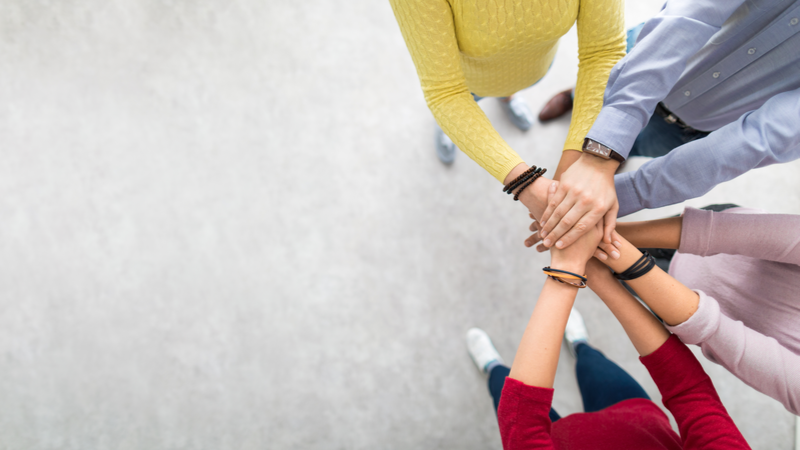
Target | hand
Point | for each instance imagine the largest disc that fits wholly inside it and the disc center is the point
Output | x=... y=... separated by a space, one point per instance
x=583 y=197
x=574 y=257
x=602 y=252
x=605 y=250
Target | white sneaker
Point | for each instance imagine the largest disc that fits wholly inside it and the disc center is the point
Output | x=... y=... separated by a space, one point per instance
x=575 y=332
x=518 y=111
x=481 y=349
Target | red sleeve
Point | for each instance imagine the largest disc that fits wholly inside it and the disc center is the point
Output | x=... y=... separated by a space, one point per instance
x=690 y=396
x=523 y=415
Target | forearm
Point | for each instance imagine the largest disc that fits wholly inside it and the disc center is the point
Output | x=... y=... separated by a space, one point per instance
x=601 y=44
x=771 y=237
x=644 y=330
x=760 y=138
x=430 y=35
x=480 y=141
x=568 y=157
x=537 y=356
x=650 y=70
x=689 y=394
x=661 y=233
x=667 y=297
x=758 y=360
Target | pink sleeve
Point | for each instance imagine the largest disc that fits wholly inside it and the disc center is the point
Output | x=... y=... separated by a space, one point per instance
x=523 y=416
x=758 y=360
x=773 y=237
x=689 y=395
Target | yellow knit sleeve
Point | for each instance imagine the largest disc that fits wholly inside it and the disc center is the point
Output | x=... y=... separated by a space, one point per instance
x=428 y=29
x=601 y=43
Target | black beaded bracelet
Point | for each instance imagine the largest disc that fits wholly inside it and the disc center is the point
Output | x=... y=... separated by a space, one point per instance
x=535 y=177
x=639 y=268
x=516 y=182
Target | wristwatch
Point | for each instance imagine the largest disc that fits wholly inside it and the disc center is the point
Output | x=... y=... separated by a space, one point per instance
x=601 y=151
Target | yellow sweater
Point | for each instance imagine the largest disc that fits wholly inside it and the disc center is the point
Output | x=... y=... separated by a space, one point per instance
x=495 y=48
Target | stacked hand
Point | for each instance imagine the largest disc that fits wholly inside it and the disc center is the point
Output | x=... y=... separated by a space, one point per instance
x=584 y=197
x=601 y=250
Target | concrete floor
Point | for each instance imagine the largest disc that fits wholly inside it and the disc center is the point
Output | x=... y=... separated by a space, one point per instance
x=224 y=227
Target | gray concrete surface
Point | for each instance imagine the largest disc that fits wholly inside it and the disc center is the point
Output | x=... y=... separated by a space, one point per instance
x=224 y=227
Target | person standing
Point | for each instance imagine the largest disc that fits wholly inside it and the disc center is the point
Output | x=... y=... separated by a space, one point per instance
x=619 y=414
x=496 y=48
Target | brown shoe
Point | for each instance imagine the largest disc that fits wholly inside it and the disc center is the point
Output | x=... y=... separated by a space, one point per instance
x=557 y=106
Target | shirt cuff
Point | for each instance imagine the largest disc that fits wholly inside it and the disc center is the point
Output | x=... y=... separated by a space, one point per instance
x=616 y=130
x=696 y=231
x=629 y=201
x=702 y=325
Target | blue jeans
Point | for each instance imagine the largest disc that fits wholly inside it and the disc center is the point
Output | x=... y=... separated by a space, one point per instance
x=601 y=382
x=658 y=137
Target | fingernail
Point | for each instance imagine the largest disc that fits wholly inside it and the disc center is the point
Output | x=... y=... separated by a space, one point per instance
x=546 y=242
x=559 y=244
x=617 y=244
x=602 y=256
x=615 y=255
x=544 y=233
x=553 y=188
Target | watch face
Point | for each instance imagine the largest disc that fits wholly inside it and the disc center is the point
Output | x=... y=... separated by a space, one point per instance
x=598 y=149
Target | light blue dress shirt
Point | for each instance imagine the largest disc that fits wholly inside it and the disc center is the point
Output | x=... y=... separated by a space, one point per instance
x=731 y=67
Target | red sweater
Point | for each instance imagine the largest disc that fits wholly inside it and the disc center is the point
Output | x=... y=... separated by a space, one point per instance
x=631 y=424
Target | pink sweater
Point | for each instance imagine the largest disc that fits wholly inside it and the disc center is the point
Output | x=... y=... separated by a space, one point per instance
x=745 y=266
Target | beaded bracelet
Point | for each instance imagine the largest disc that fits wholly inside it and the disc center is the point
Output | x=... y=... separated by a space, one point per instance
x=509 y=188
x=642 y=266
x=535 y=176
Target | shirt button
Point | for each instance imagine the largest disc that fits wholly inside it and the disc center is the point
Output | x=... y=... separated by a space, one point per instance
x=715 y=74
x=794 y=21
x=751 y=51
x=687 y=93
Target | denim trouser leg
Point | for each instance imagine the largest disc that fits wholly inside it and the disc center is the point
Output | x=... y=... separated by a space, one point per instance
x=603 y=383
x=658 y=138
x=497 y=378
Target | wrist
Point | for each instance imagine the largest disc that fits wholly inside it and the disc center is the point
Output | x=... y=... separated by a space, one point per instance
x=570 y=265
x=535 y=196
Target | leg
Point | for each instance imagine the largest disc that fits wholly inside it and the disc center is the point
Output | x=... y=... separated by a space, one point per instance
x=657 y=138
x=603 y=383
x=497 y=378
x=518 y=111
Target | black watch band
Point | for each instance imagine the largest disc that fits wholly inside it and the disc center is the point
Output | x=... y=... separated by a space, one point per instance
x=601 y=151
